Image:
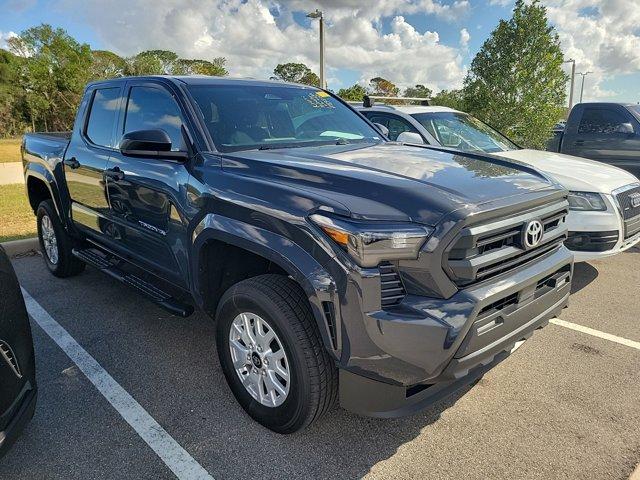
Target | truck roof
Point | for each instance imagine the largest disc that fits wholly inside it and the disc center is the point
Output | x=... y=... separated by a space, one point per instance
x=201 y=80
x=624 y=104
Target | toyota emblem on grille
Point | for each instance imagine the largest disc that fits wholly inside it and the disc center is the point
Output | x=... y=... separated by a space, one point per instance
x=532 y=234
x=635 y=200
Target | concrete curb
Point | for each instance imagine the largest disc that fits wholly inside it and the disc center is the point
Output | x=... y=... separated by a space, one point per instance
x=21 y=247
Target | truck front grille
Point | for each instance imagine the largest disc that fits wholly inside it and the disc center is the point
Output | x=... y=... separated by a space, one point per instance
x=391 y=287
x=482 y=251
x=629 y=201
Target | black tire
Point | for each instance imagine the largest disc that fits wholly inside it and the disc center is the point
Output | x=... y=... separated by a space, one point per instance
x=65 y=265
x=314 y=379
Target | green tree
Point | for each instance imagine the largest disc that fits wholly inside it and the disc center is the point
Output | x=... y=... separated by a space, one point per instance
x=355 y=93
x=13 y=108
x=383 y=87
x=516 y=82
x=215 y=68
x=419 y=91
x=450 y=98
x=53 y=71
x=152 y=62
x=106 y=64
x=296 y=72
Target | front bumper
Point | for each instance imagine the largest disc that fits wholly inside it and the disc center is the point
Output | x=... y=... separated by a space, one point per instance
x=425 y=348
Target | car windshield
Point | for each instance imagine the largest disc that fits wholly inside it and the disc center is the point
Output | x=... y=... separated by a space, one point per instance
x=464 y=132
x=635 y=110
x=245 y=117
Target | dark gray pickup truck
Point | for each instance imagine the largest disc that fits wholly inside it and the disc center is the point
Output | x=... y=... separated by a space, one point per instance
x=337 y=265
x=607 y=132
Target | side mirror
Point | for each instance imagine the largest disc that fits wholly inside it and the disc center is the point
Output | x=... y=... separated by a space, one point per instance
x=149 y=143
x=382 y=129
x=410 y=137
x=625 y=128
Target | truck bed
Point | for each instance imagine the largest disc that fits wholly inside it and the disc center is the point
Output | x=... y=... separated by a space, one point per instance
x=46 y=146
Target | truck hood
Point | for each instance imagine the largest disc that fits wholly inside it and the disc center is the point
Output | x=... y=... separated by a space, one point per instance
x=574 y=173
x=393 y=181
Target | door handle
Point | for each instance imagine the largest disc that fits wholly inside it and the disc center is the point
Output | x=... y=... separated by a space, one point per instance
x=114 y=174
x=72 y=162
x=579 y=142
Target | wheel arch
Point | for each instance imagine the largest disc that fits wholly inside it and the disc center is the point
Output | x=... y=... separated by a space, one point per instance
x=221 y=235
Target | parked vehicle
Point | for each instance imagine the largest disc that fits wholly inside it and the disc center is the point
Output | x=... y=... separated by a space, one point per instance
x=606 y=132
x=335 y=263
x=604 y=217
x=18 y=388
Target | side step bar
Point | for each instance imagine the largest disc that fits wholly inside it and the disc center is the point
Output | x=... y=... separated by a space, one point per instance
x=95 y=258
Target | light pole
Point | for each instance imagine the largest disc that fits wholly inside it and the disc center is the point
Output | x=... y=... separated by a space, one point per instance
x=573 y=79
x=318 y=14
x=582 y=87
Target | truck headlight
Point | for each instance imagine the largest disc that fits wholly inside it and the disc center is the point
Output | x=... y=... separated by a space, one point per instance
x=370 y=243
x=586 y=201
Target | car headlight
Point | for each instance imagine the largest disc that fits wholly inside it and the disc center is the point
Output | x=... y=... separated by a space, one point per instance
x=586 y=201
x=370 y=243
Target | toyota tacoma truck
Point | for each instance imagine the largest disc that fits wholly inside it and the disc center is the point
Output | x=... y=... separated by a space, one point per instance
x=338 y=265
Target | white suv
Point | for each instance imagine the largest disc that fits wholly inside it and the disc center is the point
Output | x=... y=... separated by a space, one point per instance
x=603 y=219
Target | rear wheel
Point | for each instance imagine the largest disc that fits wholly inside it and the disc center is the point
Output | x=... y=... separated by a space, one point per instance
x=56 y=245
x=272 y=355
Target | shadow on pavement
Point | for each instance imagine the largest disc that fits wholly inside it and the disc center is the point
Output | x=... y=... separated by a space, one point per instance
x=583 y=274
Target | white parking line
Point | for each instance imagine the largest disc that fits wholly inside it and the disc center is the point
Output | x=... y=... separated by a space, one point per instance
x=170 y=452
x=596 y=333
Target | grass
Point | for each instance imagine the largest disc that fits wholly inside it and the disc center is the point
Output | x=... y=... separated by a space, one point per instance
x=10 y=150
x=16 y=217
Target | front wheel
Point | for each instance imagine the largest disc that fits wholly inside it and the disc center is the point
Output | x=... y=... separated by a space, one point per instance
x=56 y=245
x=272 y=354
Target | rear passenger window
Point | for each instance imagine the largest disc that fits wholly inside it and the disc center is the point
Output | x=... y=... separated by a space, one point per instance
x=102 y=116
x=600 y=120
x=152 y=108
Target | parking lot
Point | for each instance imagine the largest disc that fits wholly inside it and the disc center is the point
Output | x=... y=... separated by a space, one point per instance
x=566 y=405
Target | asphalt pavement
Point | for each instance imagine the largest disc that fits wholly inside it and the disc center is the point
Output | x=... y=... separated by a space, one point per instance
x=565 y=405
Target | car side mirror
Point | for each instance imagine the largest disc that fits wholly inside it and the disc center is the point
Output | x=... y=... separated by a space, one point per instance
x=625 y=129
x=149 y=143
x=410 y=137
x=382 y=129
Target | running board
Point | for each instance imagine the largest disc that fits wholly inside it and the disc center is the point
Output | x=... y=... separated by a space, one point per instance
x=97 y=259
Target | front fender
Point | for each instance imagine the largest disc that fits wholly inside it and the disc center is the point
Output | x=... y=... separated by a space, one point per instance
x=317 y=283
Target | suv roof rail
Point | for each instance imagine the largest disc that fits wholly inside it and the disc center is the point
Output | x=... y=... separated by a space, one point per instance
x=369 y=100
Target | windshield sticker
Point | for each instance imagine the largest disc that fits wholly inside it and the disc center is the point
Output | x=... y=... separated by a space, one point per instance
x=322 y=94
x=317 y=101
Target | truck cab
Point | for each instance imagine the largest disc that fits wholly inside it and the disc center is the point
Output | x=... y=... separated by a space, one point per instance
x=337 y=265
x=606 y=132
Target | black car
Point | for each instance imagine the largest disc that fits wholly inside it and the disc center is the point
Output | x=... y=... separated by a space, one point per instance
x=18 y=389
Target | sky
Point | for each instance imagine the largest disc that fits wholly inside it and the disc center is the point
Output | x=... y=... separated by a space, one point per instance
x=430 y=42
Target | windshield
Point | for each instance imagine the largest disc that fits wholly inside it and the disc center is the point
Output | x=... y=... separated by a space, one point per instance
x=244 y=117
x=635 y=109
x=464 y=132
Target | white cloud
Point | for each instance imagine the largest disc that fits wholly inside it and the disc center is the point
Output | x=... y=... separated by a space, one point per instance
x=4 y=36
x=256 y=35
x=500 y=3
x=602 y=36
x=464 y=38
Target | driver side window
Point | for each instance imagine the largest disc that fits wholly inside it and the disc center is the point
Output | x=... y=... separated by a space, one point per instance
x=151 y=108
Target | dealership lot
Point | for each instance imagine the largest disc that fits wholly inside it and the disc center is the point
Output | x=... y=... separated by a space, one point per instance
x=566 y=405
